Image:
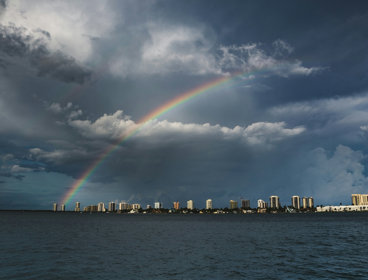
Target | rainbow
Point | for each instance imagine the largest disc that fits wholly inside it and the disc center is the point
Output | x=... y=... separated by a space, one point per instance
x=171 y=104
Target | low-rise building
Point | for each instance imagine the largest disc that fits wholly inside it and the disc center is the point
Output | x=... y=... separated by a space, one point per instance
x=342 y=208
x=158 y=205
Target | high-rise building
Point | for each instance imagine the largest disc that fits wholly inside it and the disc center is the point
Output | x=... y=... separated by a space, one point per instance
x=233 y=204
x=359 y=199
x=310 y=202
x=176 y=205
x=245 y=203
x=62 y=208
x=112 y=206
x=305 y=202
x=209 y=204
x=295 y=201
x=101 y=207
x=148 y=206
x=55 y=207
x=274 y=202
x=261 y=204
x=158 y=205
x=124 y=206
x=190 y=204
x=77 y=207
x=136 y=206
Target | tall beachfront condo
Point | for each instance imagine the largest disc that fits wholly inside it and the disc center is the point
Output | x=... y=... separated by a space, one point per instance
x=190 y=204
x=274 y=202
x=261 y=204
x=310 y=202
x=209 y=204
x=158 y=205
x=101 y=207
x=62 y=208
x=245 y=203
x=176 y=205
x=295 y=201
x=359 y=199
x=233 y=204
x=55 y=207
x=112 y=206
x=305 y=202
x=77 y=207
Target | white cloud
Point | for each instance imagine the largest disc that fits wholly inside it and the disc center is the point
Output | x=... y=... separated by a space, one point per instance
x=115 y=125
x=364 y=128
x=18 y=169
x=69 y=25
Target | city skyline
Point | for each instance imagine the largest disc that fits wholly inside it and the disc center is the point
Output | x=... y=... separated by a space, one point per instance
x=159 y=100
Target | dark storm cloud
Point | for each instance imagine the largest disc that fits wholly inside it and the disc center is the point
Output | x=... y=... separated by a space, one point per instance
x=15 y=42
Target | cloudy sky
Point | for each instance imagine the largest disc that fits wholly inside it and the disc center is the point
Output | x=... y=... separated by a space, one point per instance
x=76 y=75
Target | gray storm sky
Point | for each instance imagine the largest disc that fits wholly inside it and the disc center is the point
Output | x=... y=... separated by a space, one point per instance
x=75 y=75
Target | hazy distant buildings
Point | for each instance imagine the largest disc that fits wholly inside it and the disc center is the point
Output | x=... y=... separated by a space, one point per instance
x=90 y=208
x=233 y=204
x=190 y=204
x=158 y=205
x=359 y=199
x=261 y=204
x=274 y=202
x=55 y=207
x=112 y=206
x=62 y=208
x=148 y=206
x=101 y=207
x=77 y=207
x=209 y=204
x=245 y=204
x=295 y=201
x=176 y=205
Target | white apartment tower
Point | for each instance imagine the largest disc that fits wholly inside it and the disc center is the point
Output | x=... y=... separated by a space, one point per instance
x=158 y=205
x=274 y=202
x=190 y=204
x=295 y=201
x=209 y=204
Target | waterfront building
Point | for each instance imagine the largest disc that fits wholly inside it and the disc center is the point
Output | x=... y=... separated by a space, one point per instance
x=233 y=204
x=310 y=202
x=90 y=208
x=112 y=206
x=305 y=202
x=148 y=206
x=55 y=207
x=136 y=206
x=190 y=204
x=295 y=201
x=124 y=206
x=261 y=204
x=342 y=208
x=176 y=205
x=62 y=207
x=209 y=204
x=158 y=205
x=274 y=202
x=77 y=207
x=245 y=203
x=359 y=199
x=101 y=207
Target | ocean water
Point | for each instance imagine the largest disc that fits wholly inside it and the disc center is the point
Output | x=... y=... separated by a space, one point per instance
x=113 y=246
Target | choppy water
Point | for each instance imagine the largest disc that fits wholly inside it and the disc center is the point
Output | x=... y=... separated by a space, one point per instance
x=112 y=246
